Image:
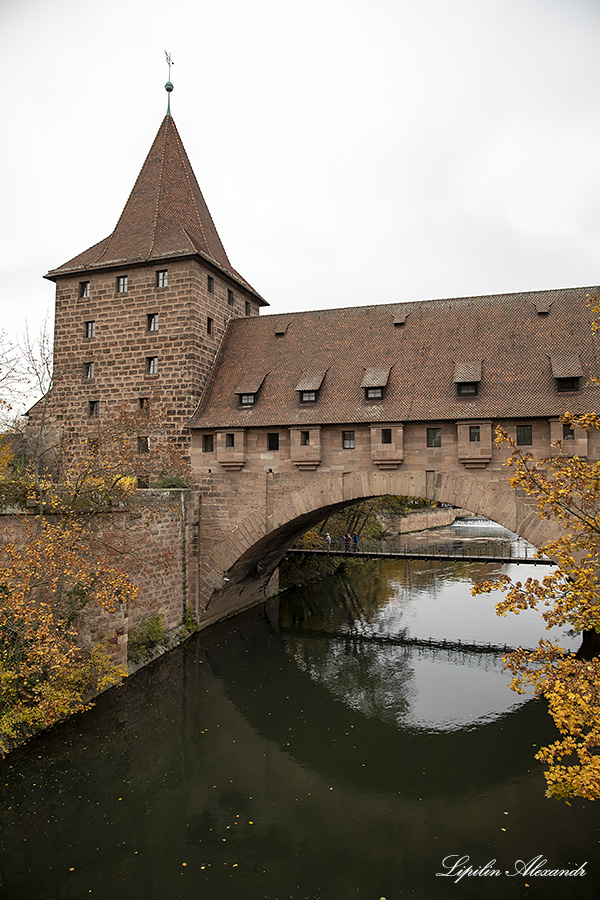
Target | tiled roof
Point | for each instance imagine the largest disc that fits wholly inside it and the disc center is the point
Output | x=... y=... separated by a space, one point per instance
x=508 y=338
x=165 y=216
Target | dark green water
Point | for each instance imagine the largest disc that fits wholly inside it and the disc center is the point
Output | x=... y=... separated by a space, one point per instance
x=268 y=764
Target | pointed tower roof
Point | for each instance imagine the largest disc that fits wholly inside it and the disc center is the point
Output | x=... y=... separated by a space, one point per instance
x=165 y=216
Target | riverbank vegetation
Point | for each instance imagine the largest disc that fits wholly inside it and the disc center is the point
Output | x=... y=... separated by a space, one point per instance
x=566 y=489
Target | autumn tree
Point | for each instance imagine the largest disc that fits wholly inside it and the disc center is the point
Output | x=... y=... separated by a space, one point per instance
x=81 y=533
x=565 y=489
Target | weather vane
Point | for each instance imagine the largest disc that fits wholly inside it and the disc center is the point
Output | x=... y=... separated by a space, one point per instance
x=168 y=85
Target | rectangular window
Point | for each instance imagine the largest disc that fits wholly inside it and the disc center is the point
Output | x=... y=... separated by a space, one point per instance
x=209 y=284
x=248 y=308
x=230 y=440
x=434 y=437
x=308 y=396
x=230 y=297
x=152 y=321
x=143 y=445
x=567 y=384
x=348 y=440
x=474 y=434
x=122 y=284
x=305 y=438
x=247 y=399
x=208 y=443
x=144 y=404
x=374 y=393
x=273 y=441
x=90 y=329
x=152 y=365
x=467 y=387
x=162 y=278
x=386 y=435
x=209 y=325
x=524 y=435
x=94 y=446
x=84 y=289
x=94 y=408
x=568 y=433
x=89 y=369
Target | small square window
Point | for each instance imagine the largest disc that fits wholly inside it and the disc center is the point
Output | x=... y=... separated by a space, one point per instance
x=94 y=408
x=467 y=387
x=273 y=441
x=524 y=435
x=209 y=325
x=152 y=365
x=143 y=445
x=248 y=308
x=474 y=434
x=308 y=396
x=230 y=440
x=304 y=438
x=209 y=283
x=567 y=384
x=230 y=297
x=162 y=278
x=208 y=443
x=90 y=329
x=348 y=440
x=434 y=437
x=84 y=289
x=247 y=399
x=89 y=369
x=152 y=321
x=374 y=393
x=568 y=433
x=386 y=435
x=144 y=404
x=122 y=284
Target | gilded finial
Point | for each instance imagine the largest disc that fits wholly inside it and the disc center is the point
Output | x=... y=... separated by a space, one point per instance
x=169 y=85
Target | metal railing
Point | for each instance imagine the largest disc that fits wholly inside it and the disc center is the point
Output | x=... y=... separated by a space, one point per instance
x=469 y=551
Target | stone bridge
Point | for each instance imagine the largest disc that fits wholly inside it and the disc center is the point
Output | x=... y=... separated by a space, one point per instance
x=248 y=521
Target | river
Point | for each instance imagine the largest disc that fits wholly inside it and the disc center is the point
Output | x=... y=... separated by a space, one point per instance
x=325 y=748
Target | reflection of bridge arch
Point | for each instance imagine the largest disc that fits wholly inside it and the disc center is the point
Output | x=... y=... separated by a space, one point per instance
x=243 y=560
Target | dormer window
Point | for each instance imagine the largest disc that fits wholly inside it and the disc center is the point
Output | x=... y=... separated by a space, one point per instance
x=248 y=388
x=309 y=386
x=566 y=370
x=374 y=381
x=467 y=376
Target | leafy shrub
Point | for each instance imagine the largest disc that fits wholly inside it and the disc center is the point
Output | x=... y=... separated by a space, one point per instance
x=150 y=633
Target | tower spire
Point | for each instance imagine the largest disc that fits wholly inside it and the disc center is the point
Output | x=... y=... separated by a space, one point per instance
x=169 y=85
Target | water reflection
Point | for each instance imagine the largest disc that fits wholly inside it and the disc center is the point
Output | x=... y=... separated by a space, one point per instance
x=405 y=641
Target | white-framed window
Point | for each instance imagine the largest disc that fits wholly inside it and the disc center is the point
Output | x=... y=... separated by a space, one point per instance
x=152 y=365
x=348 y=440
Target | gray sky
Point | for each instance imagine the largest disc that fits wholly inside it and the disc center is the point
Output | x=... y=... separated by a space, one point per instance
x=351 y=151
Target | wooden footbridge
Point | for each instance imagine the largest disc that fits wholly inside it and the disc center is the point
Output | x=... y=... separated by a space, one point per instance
x=489 y=551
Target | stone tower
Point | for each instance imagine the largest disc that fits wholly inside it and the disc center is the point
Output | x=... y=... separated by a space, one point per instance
x=140 y=315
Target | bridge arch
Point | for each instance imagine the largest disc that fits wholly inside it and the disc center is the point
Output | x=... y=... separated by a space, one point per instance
x=243 y=563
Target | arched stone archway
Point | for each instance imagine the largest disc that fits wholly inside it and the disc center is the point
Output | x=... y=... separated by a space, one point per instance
x=240 y=563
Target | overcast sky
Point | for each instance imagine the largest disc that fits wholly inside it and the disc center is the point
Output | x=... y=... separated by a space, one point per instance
x=351 y=151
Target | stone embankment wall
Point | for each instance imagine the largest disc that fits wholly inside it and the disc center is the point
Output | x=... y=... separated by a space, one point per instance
x=163 y=530
x=419 y=519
